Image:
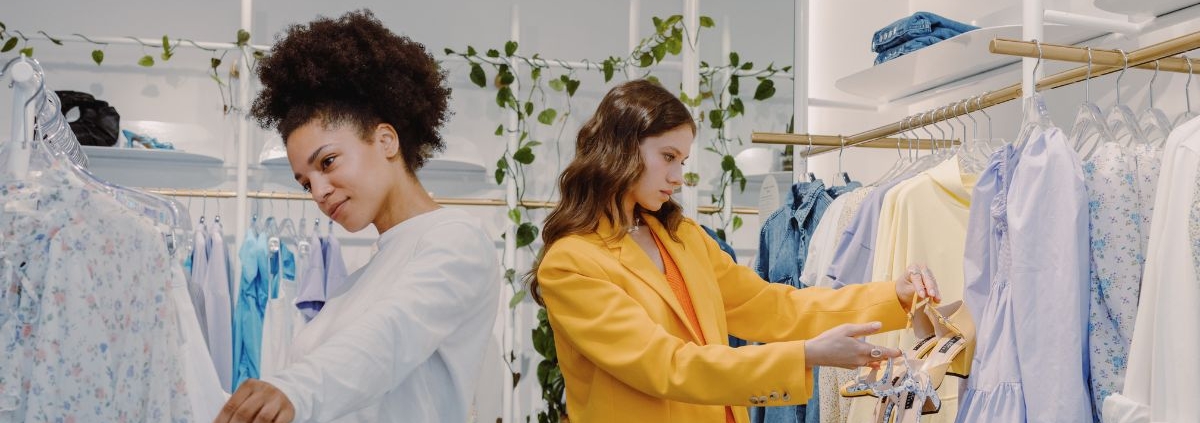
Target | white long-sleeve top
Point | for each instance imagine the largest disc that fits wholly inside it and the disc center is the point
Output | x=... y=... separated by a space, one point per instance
x=405 y=341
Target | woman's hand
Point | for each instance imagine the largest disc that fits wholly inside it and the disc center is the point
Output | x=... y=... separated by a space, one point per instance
x=840 y=347
x=917 y=280
x=257 y=402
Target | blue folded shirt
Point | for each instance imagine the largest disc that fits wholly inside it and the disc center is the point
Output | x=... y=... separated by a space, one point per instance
x=909 y=28
x=915 y=44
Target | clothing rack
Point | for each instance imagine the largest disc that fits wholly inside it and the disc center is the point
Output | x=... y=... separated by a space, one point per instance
x=492 y=202
x=818 y=144
x=1103 y=62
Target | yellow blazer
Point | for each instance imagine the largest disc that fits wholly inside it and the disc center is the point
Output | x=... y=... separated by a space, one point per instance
x=628 y=355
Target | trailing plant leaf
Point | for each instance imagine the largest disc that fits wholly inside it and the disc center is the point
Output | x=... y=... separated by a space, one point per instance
x=528 y=108
x=146 y=61
x=766 y=89
x=526 y=233
x=546 y=117
x=499 y=176
x=556 y=85
x=477 y=75
x=515 y=216
x=737 y=222
x=572 y=85
x=243 y=37
x=500 y=130
x=517 y=298
x=98 y=56
x=27 y=52
x=706 y=22
x=493 y=53
x=9 y=45
x=733 y=58
x=510 y=48
x=524 y=155
x=608 y=69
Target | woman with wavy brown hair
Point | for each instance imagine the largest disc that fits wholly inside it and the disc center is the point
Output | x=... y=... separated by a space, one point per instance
x=641 y=300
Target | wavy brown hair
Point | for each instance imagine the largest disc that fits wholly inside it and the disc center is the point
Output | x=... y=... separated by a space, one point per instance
x=608 y=161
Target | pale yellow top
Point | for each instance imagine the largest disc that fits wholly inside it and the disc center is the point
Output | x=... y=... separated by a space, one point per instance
x=923 y=221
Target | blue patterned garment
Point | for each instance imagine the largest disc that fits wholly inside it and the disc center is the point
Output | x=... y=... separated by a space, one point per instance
x=1117 y=259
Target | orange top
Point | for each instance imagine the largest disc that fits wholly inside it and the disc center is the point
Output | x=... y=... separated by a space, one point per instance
x=675 y=279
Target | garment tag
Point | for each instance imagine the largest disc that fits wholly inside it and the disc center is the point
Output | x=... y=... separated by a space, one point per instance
x=768 y=197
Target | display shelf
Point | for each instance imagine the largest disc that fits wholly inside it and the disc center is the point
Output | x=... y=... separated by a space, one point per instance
x=1143 y=7
x=102 y=154
x=948 y=61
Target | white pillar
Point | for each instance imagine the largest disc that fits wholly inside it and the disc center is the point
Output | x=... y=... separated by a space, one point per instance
x=726 y=47
x=242 y=102
x=1032 y=14
x=691 y=87
x=511 y=394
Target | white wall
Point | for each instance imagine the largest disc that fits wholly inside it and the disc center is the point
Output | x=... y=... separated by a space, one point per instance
x=180 y=92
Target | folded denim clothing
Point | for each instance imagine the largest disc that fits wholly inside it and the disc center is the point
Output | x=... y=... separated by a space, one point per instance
x=910 y=27
x=915 y=44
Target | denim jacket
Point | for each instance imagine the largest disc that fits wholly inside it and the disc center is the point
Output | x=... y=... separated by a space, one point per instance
x=911 y=27
x=915 y=44
x=783 y=241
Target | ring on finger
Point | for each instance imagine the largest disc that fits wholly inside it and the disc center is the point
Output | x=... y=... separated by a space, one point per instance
x=876 y=352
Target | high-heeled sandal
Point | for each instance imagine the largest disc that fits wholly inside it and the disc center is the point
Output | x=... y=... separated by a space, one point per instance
x=955 y=346
x=924 y=329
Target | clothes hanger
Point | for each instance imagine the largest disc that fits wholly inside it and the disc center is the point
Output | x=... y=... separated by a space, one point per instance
x=842 y=174
x=812 y=177
x=1089 y=130
x=1154 y=123
x=993 y=143
x=900 y=162
x=1187 y=96
x=1034 y=114
x=1121 y=120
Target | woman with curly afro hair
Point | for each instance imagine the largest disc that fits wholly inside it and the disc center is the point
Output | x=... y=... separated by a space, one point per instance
x=359 y=109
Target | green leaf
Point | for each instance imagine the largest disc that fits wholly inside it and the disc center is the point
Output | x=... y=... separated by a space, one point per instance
x=3 y=27
x=736 y=107
x=243 y=37
x=556 y=85
x=166 y=55
x=733 y=85
x=660 y=51
x=572 y=85
x=515 y=216
x=517 y=298
x=646 y=60
x=507 y=78
x=655 y=80
x=535 y=74
x=524 y=155
x=674 y=19
x=733 y=58
x=658 y=23
x=786 y=69
x=707 y=22
x=477 y=75
x=716 y=118
x=532 y=144
x=493 y=53
x=528 y=108
x=166 y=44
x=500 y=130
x=675 y=46
x=742 y=184
x=146 y=61
x=510 y=48
x=691 y=179
x=501 y=164
x=608 y=70
x=471 y=51
x=721 y=234
x=727 y=163
x=214 y=62
x=9 y=45
x=747 y=65
x=712 y=150
x=766 y=89
x=448 y=51
x=98 y=56
x=27 y=52
x=737 y=222
x=546 y=117
x=499 y=176
x=526 y=233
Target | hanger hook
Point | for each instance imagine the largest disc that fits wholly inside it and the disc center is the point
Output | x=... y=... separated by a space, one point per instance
x=1124 y=57
x=979 y=107
x=1187 y=94
x=899 y=154
x=1152 y=79
x=1038 y=44
x=840 y=151
x=1087 y=82
x=810 y=146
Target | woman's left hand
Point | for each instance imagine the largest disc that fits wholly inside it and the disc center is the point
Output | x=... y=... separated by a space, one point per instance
x=257 y=402
x=919 y=281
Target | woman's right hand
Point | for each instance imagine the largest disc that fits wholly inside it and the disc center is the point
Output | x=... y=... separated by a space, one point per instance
x=840 y=347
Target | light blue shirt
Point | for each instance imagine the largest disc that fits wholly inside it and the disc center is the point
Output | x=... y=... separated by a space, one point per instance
x=1026 y=275
x=854 y=255
x=251 y=306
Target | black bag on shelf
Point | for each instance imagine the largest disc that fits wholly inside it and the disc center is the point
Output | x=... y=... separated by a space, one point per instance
x=98 y=123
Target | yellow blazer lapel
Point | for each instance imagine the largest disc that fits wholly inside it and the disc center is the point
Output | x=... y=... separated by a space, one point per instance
x=636 y=261
x=702 y=287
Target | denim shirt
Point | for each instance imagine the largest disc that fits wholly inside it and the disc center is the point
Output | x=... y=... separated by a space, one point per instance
x=910 y=27
x=783 y=241
x=915 y=44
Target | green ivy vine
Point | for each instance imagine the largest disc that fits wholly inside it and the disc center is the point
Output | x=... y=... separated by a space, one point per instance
x=718 y=84
x=164 y=50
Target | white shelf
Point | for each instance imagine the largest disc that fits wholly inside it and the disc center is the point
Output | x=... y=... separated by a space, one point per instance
x=100 y=154
x=1143 y=7
x=434 y=164
x=951 y=60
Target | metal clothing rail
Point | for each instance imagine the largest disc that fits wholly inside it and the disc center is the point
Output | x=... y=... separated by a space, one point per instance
x=1135 y=58
x=824 y=143
x=492 y=202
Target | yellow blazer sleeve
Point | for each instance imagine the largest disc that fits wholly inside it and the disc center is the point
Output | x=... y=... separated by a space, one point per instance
x=604 y=324
x=757 y=310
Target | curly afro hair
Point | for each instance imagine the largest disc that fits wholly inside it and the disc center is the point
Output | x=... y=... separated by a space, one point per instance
x=353 y=70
